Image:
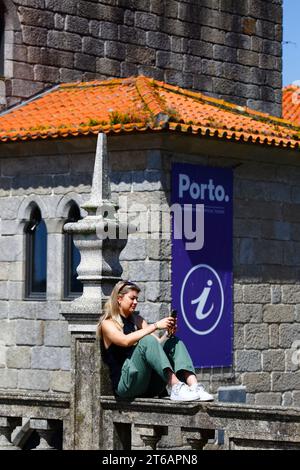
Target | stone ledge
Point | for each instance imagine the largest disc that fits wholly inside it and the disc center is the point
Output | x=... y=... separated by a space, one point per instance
x=27 y=398
x=159 y=404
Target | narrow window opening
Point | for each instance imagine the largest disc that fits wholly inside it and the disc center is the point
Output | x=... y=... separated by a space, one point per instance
x=36 y=256
x=72 y=286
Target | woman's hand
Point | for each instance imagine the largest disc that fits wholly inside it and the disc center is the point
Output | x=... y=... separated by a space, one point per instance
x=166 y=323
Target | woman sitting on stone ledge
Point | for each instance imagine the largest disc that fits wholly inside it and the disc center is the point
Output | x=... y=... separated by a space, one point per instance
x=140 y=363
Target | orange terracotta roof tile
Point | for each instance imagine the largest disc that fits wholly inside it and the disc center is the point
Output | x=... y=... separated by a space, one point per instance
x=140 y=104
x=291 y=103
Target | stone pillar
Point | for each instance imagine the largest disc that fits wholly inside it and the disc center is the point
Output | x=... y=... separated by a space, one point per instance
x=45 y=429
x=7 y=425
x=150 y=435
x=97 y=236
x=198 y=438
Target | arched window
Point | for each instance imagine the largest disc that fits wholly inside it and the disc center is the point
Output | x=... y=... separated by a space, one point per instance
x=36 y=256
x=72 y=286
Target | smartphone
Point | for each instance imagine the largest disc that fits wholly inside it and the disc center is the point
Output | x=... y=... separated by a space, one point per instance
x=174 y=313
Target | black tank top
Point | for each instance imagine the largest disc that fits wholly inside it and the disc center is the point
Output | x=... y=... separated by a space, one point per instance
x=115 y=356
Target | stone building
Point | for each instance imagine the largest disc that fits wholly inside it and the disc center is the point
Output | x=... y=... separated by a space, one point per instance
x=225 y=48
x=50 y=372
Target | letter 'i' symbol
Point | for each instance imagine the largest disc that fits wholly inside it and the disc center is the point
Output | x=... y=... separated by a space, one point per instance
x=201 y=301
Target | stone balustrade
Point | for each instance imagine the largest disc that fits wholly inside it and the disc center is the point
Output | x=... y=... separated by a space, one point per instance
x=162 y=424
x=41 y=421
x=36 y=421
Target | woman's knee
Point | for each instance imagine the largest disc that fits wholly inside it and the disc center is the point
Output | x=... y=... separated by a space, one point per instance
x=147 y=340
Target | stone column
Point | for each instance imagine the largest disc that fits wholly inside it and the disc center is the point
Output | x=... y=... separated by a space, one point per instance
x=7 y=425
x=97 y=236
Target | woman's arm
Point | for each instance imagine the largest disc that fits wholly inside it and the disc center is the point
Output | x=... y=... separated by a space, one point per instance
x=111 y=334
x=141 y=323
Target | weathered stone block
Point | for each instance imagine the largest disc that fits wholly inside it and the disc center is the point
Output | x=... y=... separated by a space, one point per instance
x=147 y=21
x=238 y=293
x=4 y=270
x=93 y=46
x=169 y=60
x=46 y=358
x=46 y=74
x=29 y=332
x=64 y=40
x=3 y=309
x=65 y=361
x=7 y=332
x=18 y=357
x=85 y=62
x=3 y=290
x=115 y=50
x=33 y=380
x=287 y=399
x=60 y=381
x=285 y=381
x=248 y=313
x=248 y=58
x=56 y=333
x=64 y=6
x=108 y=66
x=158 y=40
x=146 y=271
x=15 y=290
x=76 y=24
x=239 y=335
x=257 y=381
x=141 y=55
x=248 y=361
x=106 y=30
x=274 y=336
x=59 y=22
x=256 y=336
x=273 y=360
x=150 y=311
x=259 y=294
x=8 y=379
x=278 y=313
x=276 y=296
x=288 y=334
x=264 y=399
x=291 y=294
x=34 y=36
x=23 y=71
x=134 y=250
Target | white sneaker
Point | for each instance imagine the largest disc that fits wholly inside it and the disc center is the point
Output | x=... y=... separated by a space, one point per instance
x=182 y=392
x=201 y=392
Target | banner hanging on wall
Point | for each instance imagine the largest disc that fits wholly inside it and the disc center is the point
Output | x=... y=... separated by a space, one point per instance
x=202 y=218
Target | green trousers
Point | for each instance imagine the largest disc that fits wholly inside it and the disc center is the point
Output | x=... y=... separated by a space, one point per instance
x=144 y=374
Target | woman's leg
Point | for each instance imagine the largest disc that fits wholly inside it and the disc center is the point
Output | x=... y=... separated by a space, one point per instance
x=137 y=371
x=180 y=359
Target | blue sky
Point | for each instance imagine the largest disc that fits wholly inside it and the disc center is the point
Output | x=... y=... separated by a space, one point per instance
x=291 y=41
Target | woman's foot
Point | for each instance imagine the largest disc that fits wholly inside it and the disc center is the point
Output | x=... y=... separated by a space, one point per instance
x=182 y=392
x=202 y=394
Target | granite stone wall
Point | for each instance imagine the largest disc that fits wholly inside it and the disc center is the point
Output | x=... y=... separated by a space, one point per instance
x=224 y=48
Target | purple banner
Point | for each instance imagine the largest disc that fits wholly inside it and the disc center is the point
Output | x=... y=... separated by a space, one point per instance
x=202 y=261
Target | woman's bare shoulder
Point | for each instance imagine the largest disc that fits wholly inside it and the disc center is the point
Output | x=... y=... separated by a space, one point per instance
x=108 y=323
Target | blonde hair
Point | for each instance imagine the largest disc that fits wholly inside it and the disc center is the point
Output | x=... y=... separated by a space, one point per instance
x=111 y=307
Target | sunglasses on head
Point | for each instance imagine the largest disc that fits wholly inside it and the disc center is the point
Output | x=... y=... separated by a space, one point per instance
x=126 y=283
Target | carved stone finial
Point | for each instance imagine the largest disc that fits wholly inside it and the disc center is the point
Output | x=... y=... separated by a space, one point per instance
x=100 y=186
